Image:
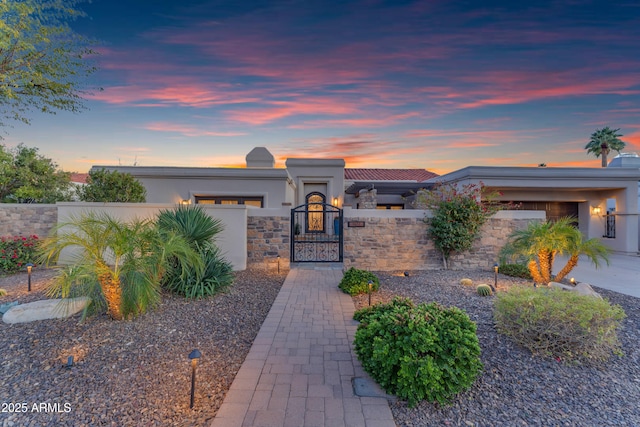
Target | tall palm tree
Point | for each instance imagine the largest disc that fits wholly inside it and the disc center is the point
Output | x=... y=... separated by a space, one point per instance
x=541 y=242
x=603 y=141
x=118 y=265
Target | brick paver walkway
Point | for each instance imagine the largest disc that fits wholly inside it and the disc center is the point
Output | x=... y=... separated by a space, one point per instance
x=299 y=370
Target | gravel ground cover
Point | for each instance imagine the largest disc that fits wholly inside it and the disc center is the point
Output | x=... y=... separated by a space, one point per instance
x=128 y=373
x=516 y=389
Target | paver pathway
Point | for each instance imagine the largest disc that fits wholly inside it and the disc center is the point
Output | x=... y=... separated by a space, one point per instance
x=300 y=368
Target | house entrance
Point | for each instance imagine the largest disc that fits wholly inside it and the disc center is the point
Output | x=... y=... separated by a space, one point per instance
x=316 y=230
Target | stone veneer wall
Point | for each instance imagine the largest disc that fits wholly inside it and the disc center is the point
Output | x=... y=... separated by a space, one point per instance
x=27 y=219
x=391 y=244
x=268 y=237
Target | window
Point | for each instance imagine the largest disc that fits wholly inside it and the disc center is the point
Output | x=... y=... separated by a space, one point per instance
x=256 y=201
x=315 y=212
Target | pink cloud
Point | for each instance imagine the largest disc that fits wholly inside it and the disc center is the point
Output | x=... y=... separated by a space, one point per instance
x=187 y=130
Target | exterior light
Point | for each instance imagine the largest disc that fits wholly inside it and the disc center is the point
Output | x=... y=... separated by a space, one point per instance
x=573 y=281
x=596 y=210
x=69 y=362
x=29 y=267
x=370 y=289
x=335 y=201
x=185 y=202
x=278 y=264
x=406 y=274
x=193 y=356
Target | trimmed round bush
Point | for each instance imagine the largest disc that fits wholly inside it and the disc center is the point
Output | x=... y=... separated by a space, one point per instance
x=355 y=282
x=418 y=352
x=558 y=323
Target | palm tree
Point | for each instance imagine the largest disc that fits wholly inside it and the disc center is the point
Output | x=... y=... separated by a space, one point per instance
x=603 y=141
x=541 y=242
x=118 y=265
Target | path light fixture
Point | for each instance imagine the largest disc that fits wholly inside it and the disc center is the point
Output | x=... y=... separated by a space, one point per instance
x=69 y=364
x=573 y=281
x=193 y=356
x=495 y=276
x=370 y=289
x=406 y=274
x=278 y=263
x=29 y=267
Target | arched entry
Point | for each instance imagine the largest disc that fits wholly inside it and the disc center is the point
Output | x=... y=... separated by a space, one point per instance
x=316 y=230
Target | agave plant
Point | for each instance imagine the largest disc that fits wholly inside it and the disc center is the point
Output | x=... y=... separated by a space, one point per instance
x=541 y=242
x=118 y=265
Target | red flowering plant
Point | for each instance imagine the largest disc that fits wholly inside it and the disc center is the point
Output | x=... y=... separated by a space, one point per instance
x=16 y=252
x=458 y=214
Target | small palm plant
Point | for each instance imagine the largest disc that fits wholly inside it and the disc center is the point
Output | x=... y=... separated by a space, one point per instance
x=118 y=265
x=541 y=242
x=200 y=231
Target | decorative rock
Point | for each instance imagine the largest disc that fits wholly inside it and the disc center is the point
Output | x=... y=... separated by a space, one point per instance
x=580 y=288
x=45 y=309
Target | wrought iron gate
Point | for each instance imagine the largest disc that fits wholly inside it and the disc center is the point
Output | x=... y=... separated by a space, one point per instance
x=316 y=230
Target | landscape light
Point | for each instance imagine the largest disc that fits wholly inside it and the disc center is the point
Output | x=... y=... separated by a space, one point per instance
x=370 y=289
x=193 y=356
x=29 y=267
x=495 y=276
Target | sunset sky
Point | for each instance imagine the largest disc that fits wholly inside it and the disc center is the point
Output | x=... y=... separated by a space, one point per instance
x=393 y=84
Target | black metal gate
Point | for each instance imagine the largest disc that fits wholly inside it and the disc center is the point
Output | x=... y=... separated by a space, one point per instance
x=316 y=230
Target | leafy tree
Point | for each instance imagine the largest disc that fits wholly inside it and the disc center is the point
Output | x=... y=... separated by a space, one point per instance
x=42 y=60
x=541 y=242
x=112 y=186
x=458 y=214
x=28 y=177
x=603 y=141
x=118 y=265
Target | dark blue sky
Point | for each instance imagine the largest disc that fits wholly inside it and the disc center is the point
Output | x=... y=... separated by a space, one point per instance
x=430 y=84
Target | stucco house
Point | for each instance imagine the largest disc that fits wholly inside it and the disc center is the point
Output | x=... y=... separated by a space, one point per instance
x=580 y=192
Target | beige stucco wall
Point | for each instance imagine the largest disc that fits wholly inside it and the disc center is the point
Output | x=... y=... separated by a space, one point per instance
x=232 y=241
x=174 y=184
x=329 y=172
x=27 y=219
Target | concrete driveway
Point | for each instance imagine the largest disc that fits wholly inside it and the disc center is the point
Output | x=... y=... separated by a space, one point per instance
x=621 y=275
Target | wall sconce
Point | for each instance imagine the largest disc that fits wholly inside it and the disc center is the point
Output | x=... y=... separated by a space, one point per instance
x=335 y=201
x=596 y=210
x=185 y=202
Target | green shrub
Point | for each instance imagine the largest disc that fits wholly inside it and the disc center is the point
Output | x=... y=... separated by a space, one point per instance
x=200 y=230
x=16 y=252
x=216 y=276
x=418 y=352
x=484 y=290
x=515 y=270
x=554 y=322
x=3 y=292
x=356 y=281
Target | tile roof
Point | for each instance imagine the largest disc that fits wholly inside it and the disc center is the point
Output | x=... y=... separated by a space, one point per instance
x=417 y=175
x=79 y=177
